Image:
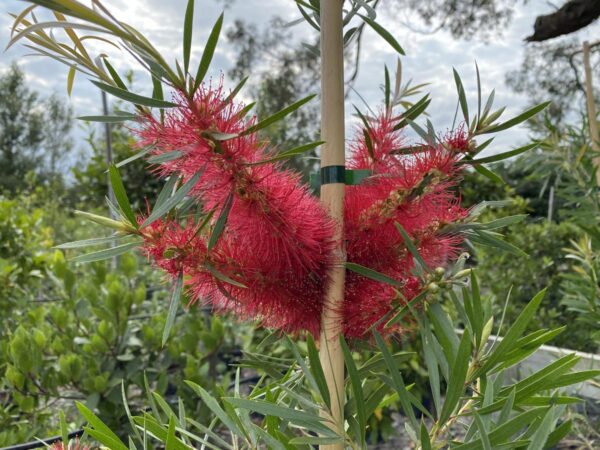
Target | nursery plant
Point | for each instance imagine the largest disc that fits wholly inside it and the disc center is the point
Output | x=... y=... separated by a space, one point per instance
x=377 y=258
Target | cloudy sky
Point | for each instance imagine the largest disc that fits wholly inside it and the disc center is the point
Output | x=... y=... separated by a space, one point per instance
x=430 y=58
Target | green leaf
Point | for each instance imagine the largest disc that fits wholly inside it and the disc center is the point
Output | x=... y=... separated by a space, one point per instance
x=458 y=377
x=121 y=195
x=314 y=440
x=171 y=202
x=514 y=333
x=235 y=91
x=71 y=78
x=539 y=438
x=411 y=247
x=505 y=155
x=478 y=92
x=387 y=87
x=173 y=307
x=209 y=51
x=489 y=174
x=106 y=253
x=220 y=276
x=116 y=118
x=461 y=96
x=112 y=441
x=290 y=153
x=91 y=242
x=444 y=331
x=558 y=434
x=138 y=155
x=114 y=74
x=504 y=431
x=357 y=390
x=398 y=382
x=106 y=439
x=377 y=363
x=430 y=361
x=133 y=98
x=516 y=120
x=213 y=405
x=372 y=274
x=277 y=116
x=491 y=239
x=64 y=429
x=148 y=424
x=425 y=441
x=128 y=413
x=310 y=421
x=165 y=157
x=385 y=34
x=413 y=112
x=220 y=223
x=171 y=438
x=316 y=370
x=187 y=34
x=485 y=440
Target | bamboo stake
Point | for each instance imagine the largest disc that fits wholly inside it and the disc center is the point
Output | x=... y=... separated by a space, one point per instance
x=591 y=108
x=332 y=195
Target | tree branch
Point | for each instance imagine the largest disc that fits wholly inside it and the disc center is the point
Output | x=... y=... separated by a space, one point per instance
x=572 y=16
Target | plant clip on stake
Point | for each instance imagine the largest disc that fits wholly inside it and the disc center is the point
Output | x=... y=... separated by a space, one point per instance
x=332 y=195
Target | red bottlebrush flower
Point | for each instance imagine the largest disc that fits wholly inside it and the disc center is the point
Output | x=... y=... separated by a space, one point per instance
x=458 y=140
x=72 y=445
x=278 y=238
x=272 y=260
x=411 y=190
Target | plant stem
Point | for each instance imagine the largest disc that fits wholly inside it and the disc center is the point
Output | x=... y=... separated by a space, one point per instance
x=332 y=195
x=591 y=108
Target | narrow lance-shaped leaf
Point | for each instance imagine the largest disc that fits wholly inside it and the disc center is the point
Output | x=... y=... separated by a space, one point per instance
x=90 y=242
x=413 y=112
x=187 y=34
x=372 y=274
x=290 y=153
x=173 y=306
x=513 y=333
x=411 y=247
x=220 y=223
x=398 y=382
x=133 y=98
x=387 y=87
x=168 y=204
x=385 y=34
x=106 y=253
x=113 y=440
x=209 y=50
x=462 y=99
x=458 y=375
x=121 y=195
x=277 y=116
x=516 y=120
x=505 y=155
x=317 y=370
x=71 y=78
x=116 y=118
x=357 y=389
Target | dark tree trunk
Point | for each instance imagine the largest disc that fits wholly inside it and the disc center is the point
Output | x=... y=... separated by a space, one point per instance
x=572 y=16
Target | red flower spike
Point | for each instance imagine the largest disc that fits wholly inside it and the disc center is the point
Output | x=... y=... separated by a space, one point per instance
x=278 y=240
x=411 y=190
